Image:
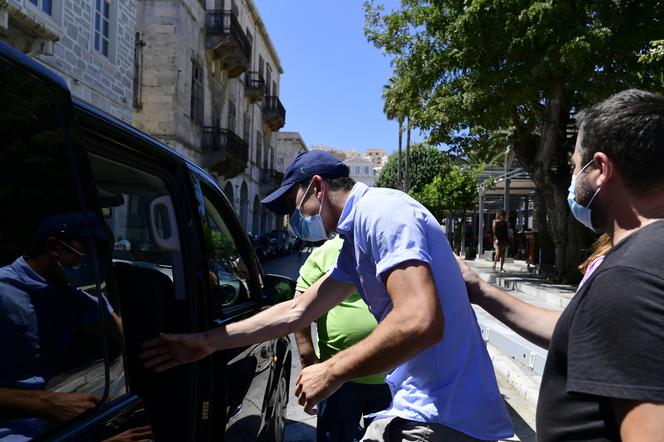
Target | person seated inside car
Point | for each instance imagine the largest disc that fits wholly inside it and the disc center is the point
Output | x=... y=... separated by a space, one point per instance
x=40 y=313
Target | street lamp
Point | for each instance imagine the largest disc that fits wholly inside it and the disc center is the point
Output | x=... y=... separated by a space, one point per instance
x=506 y=203
x=480 y=224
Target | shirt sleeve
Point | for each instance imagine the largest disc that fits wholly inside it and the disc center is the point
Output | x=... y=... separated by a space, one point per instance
x=616 y=337
x=344 y=268
x=396 y=237
x=310 y=272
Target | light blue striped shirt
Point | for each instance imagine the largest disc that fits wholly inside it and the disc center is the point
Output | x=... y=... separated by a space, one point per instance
x=453 y=382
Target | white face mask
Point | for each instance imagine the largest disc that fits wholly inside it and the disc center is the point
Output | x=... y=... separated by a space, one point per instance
x=583 y=214
x=309 y=228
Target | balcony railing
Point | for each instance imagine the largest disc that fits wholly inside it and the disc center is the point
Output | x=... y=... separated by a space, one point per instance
x=274 y=113
x=223 y=152
x=227 y=41
x=254 y=86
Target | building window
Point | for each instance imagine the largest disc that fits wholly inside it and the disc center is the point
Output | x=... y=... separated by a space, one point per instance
x=259 y=147
x=138 y=71
x=261 y=67
x=102 y=33
x=246 y=127
x=366 y=170
x=357 y=170
x=197 y=107
x=45 y=5
x=231 y=116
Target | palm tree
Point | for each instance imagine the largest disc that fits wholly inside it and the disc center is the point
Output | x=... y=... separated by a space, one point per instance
x=391 y=108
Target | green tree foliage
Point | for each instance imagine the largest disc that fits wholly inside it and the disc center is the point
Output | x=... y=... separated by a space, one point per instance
x=426 y=162
x=655 y=57
x=518 y=69
x=450 y=193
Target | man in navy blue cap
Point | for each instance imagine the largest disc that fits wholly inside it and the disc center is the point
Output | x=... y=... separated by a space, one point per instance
x=440 y=374
x=40 y=311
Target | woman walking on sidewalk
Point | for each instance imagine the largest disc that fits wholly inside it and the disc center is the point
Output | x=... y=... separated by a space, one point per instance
x=501 y=238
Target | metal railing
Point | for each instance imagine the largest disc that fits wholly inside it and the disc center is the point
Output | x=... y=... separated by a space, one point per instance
x=217 y=140
x=225 y=22
x=272 y=107
x=254 y=80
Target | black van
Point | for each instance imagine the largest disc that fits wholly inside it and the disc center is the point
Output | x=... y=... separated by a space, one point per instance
x=107 y=238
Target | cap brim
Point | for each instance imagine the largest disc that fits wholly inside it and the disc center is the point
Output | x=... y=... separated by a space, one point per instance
x=276 y=201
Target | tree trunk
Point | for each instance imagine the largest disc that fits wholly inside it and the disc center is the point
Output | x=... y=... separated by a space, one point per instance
x=399 y=174
x=407 y=178
x=537 y=156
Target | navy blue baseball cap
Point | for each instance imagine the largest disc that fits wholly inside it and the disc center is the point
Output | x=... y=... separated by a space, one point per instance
x=303 y=167
x=73 y=225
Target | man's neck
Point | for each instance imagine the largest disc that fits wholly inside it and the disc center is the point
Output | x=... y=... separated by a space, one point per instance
x=338 y=201
x=632 y=213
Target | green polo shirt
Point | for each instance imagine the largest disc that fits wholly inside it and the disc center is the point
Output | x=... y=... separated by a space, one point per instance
x=347 y=323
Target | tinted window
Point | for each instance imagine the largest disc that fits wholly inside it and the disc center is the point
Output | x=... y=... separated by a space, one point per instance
x=228 y=271
x=53 y=244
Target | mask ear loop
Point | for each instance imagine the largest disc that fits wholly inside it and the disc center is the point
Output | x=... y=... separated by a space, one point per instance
x=596 y=191
x=305 y=195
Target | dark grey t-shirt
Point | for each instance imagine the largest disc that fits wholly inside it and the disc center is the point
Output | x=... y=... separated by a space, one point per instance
x=608 y=343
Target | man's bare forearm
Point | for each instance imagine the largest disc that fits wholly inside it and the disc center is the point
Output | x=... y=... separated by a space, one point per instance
x=415 y=323
x=305 y=343
x=533 y=323
x=16 y=403
x=281 y=319
x=305 y=346
x=396 y=340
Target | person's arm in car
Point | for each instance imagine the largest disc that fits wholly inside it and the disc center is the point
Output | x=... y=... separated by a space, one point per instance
x=43 y=404
x=170 y=350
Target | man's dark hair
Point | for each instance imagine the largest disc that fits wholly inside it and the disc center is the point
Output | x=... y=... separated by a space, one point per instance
x=629 y=128
x=345 y=183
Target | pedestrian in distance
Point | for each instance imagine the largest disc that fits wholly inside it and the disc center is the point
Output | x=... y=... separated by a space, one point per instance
x=439 y=372
x=603 y=378
x=346 y=324
x=501 y=239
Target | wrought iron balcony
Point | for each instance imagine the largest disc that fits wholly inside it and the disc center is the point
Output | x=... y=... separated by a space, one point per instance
x=274 y=113
x=254 y=86
x=223 y=152
x=270 y=180
x=227 y=41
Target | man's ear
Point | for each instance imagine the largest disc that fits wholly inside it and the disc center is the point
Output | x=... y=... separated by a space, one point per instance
x=318 y=185
x=606 y=166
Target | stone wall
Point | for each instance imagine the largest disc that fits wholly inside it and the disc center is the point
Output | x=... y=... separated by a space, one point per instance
x=104 y=82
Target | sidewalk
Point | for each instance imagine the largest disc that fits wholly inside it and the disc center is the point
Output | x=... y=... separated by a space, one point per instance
x=518 y=362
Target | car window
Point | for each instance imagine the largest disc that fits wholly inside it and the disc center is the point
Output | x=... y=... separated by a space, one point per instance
x=137 y=208
x=54 y=315
x=228 y=270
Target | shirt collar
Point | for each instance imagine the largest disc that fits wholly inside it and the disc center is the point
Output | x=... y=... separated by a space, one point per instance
x=26 y=275
x=347 y=218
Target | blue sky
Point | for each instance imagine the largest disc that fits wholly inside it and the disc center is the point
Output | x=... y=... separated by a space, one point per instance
x=333 y=77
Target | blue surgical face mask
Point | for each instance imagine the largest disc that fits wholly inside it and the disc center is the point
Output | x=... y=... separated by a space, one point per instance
x=309 y=228
x=583 y=214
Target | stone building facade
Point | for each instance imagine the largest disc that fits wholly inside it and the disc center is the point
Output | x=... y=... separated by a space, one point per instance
x=207 y=84
x=90 y=43
x=289 y=145
x=362 y=170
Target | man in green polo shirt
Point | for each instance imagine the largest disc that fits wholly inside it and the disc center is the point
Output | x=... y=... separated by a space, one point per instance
x=340 y=328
